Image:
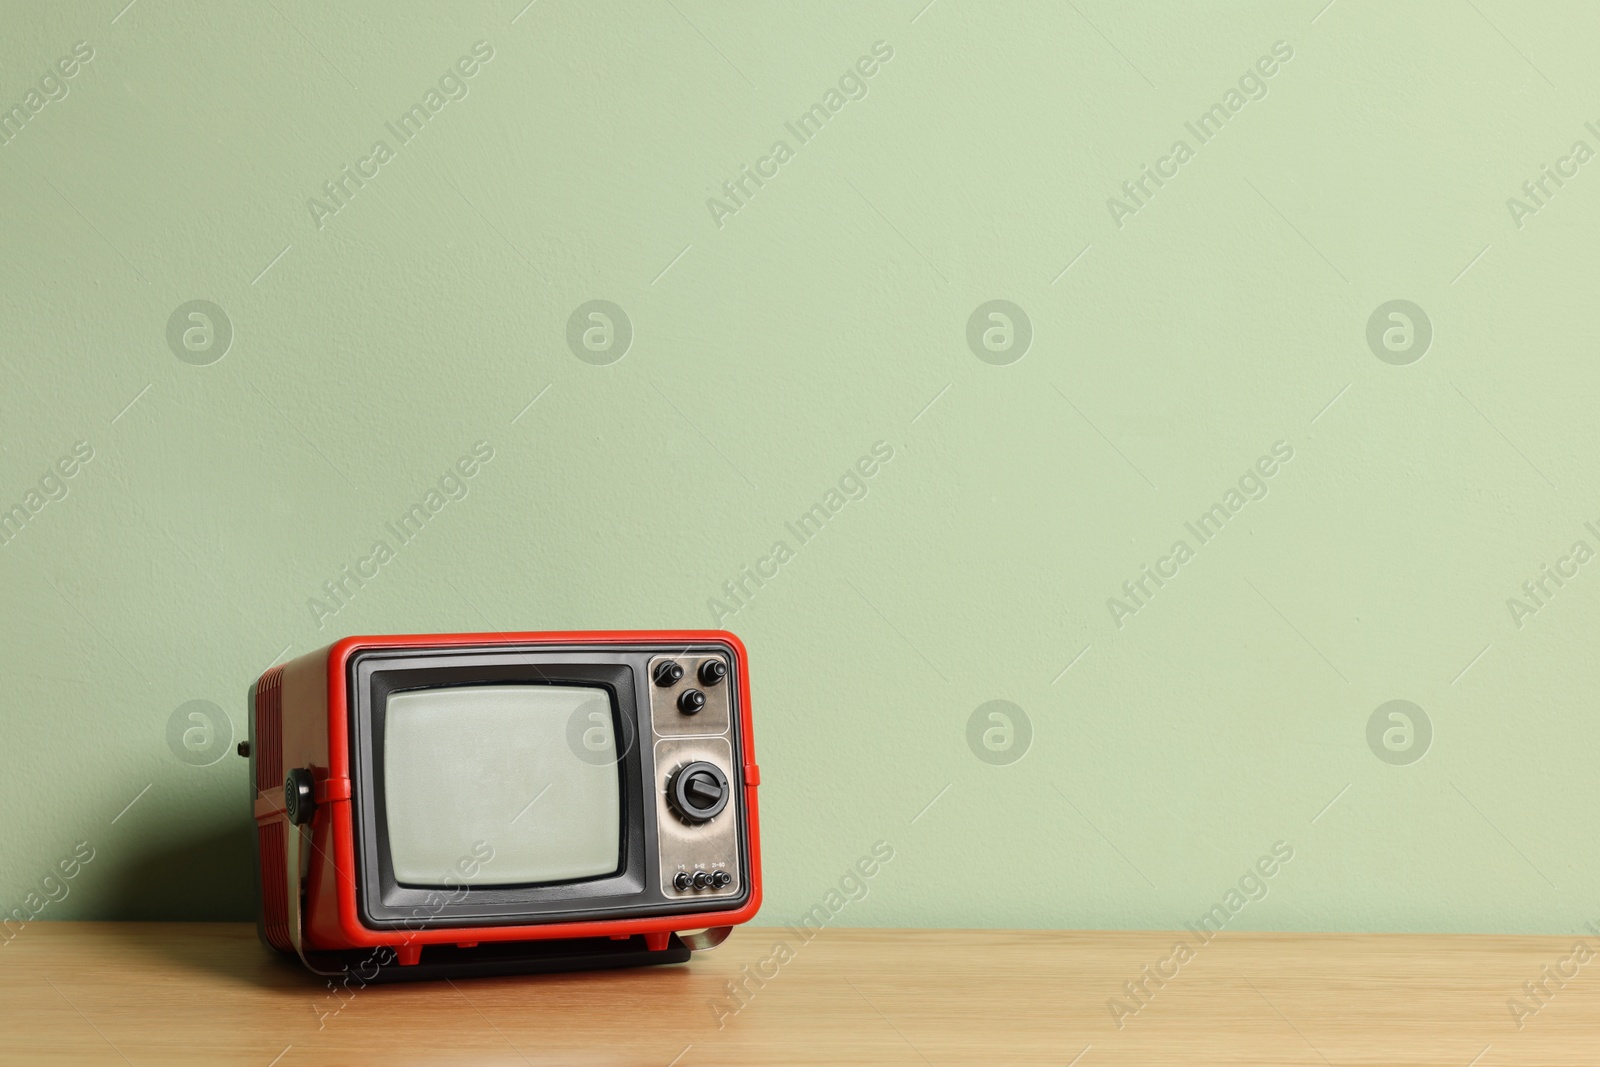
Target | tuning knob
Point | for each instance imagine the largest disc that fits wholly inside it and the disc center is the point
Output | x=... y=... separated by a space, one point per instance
x=691 y=701
x=668 y=673
x=712 y=671
x=698 y=792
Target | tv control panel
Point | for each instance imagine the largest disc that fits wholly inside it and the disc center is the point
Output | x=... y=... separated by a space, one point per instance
x=691 y=716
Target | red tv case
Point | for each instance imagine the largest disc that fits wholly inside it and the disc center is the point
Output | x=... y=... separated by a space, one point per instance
x=317 y=736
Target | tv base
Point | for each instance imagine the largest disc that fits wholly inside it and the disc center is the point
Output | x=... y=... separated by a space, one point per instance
x=490 y=959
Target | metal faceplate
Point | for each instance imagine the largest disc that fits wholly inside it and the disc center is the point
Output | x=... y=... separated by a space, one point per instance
x=680 y=740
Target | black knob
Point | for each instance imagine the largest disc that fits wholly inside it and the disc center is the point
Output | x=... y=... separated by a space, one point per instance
x=702 y=880
x=721 y=880
x=668 y=673
x=691 y=701
x=683 y=881
x=698 y=792
x=299 y=796
x=244 y=748
x=712 y=671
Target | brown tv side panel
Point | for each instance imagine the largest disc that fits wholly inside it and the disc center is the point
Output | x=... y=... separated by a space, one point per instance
x=305 y=721
x=291 y=731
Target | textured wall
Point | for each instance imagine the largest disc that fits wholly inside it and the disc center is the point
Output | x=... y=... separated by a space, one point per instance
x=381 y=300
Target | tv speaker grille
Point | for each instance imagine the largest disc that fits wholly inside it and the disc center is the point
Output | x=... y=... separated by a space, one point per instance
x=269 y=730
x=274 y=888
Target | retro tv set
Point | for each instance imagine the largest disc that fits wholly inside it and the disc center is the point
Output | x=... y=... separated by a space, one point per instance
x=438 y=805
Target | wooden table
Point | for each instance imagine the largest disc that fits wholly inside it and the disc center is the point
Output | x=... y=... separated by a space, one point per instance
x=157 y=993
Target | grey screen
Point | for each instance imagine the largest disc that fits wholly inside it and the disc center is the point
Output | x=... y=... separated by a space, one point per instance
x=525 y=774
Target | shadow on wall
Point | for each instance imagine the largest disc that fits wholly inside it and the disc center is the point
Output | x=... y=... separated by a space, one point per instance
x=206 y=875
x=201 y=874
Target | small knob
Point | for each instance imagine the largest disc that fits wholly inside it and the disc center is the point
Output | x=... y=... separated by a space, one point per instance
x=702 y=880
x=668 y=673
x=721 y=880
x=299 y=796
x=713 y=671
x=683 y=881
x=244 y=748
x=698 y=792
x=691 y=701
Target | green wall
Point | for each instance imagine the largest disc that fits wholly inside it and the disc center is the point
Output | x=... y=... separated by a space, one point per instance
x=1177 y=347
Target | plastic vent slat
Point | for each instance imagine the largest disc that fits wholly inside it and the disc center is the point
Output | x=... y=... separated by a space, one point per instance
x=274 y=892
x=269 y=729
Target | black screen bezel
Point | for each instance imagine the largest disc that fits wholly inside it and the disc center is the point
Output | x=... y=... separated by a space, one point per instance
x=625 y=877
x=633 y=890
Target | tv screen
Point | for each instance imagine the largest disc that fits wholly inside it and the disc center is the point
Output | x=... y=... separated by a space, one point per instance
x=492 y=764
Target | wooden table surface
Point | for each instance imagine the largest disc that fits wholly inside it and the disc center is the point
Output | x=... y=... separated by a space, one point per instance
x=159 y=993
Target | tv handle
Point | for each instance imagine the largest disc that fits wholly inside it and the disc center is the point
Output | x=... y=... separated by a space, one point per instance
x=700 y=940
x=299 y=803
